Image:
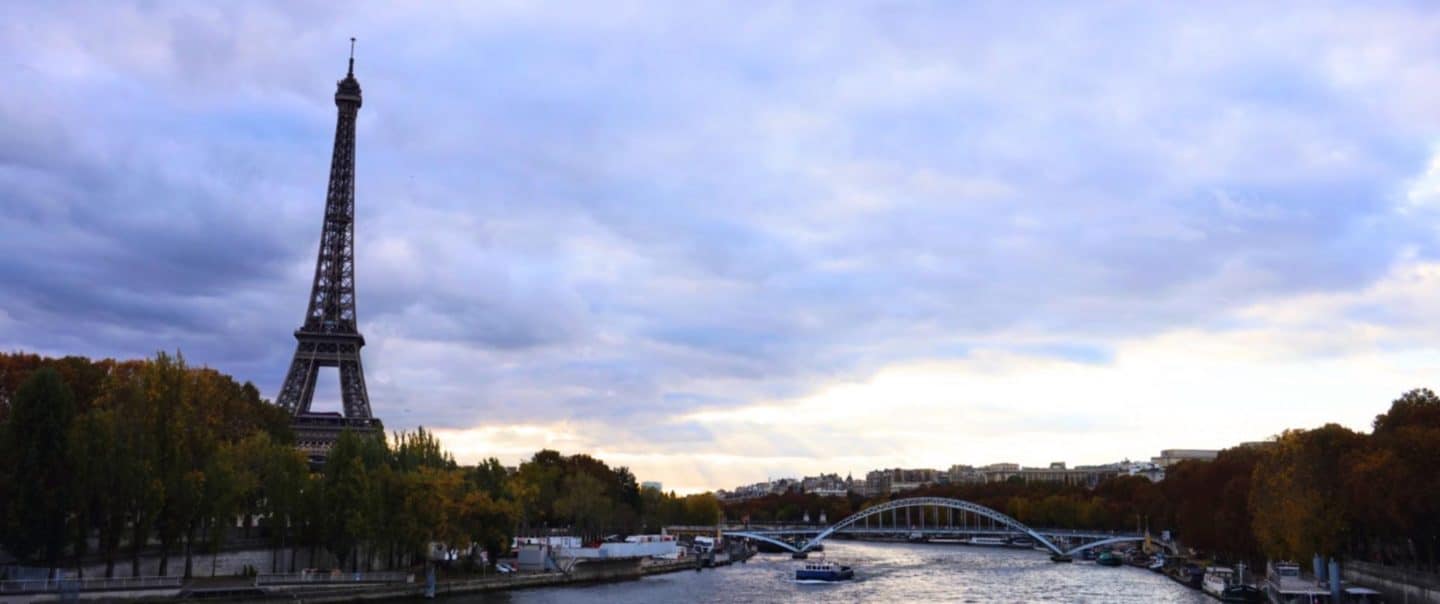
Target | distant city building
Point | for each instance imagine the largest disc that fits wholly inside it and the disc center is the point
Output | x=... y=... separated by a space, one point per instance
x=1057 y=472
x=965 y=474
x=906 y=480
x=885 y=482
x=652 y=484
x=895 y=480
x=877 y=482
x=825 y=485
x=999 y=472
x=1170 y=457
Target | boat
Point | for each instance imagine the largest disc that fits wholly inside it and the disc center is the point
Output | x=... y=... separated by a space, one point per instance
x=1157 y=563
x=1361 y=595
x=1109 y=559
x=1217 y=578
x=702 y=545
x=1240 y=592
x=1061 y=558
x=1237 y=590
x=824 y=571
x=1284 y=585
x=990 y=541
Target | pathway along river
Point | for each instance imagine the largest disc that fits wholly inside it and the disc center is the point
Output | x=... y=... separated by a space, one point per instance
x=885 y=572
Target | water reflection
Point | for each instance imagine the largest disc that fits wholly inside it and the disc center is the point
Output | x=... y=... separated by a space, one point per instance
x=893 y=572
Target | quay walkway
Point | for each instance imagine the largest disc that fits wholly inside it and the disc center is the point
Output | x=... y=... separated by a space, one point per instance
x=329 y=587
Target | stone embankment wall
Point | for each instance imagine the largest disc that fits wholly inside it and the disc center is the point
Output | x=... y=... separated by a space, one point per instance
x=1399 y=585
x=227 y=564
x=589 y=572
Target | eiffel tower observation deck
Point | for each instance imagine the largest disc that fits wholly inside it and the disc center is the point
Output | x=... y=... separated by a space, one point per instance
x=329 y=336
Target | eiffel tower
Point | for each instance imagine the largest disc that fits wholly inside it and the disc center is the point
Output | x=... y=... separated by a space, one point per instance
x=329 y=337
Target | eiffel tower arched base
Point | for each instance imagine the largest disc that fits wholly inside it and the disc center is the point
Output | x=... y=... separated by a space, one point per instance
x=316 y=433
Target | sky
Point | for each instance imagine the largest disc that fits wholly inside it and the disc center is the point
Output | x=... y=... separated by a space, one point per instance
x=723 y=242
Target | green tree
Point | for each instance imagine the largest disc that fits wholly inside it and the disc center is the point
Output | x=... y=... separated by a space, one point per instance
x=103 y=466
x=230 y=484
x=353 y=496
x=702 y=508
x=38 y=440
x=489 y=477
x=487 y=520
x=284 y=477
x=420 y=449
x=584 y=504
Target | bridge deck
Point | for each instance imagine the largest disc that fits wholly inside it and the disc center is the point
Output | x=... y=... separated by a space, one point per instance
x=999 y=523
x=933 y=531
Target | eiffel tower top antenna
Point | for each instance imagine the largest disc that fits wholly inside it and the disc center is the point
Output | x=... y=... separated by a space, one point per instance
x=351 y=72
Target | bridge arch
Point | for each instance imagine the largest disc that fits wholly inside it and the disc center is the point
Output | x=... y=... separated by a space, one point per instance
x=787 y=546
x=921 y=502
x=1169 y=547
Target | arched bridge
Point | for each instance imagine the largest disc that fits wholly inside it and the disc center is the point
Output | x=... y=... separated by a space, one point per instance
x=975 y=519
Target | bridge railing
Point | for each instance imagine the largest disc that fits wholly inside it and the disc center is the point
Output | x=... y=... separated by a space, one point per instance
x=940 y=530
x=93 y=584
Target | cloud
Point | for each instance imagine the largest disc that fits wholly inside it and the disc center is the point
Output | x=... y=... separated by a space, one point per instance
x=620 y=223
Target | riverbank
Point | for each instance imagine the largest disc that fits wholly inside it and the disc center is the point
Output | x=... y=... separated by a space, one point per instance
x=592 y=572
x=404 y=586
x=1397 y=584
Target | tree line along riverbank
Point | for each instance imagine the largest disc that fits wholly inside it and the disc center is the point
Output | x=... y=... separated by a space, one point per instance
x=1371 y=496
x=119 y=459
x=113 y=458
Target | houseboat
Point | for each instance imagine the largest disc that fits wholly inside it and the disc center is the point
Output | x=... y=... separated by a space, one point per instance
x=1217 y=578
x=1285 y=585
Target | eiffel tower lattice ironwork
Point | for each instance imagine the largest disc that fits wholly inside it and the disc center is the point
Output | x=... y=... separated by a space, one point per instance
x=329 y=336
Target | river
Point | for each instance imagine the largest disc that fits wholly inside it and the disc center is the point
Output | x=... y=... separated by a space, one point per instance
x=885 y=572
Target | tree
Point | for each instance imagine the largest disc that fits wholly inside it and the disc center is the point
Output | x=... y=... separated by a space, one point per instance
x=98 y=468
x=1298 y=501
x=352 y=494
x=537 y=486
x=1208 y=502
x=1392 y=483
x=38 y=439
x=487 y=520
x=584 y=503
x=702 y=509
x=420 y=449
x=284 y=477
x=230 y=483
x=489 y=477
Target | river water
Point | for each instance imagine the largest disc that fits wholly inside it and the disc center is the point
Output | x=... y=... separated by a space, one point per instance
x=885 y=572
